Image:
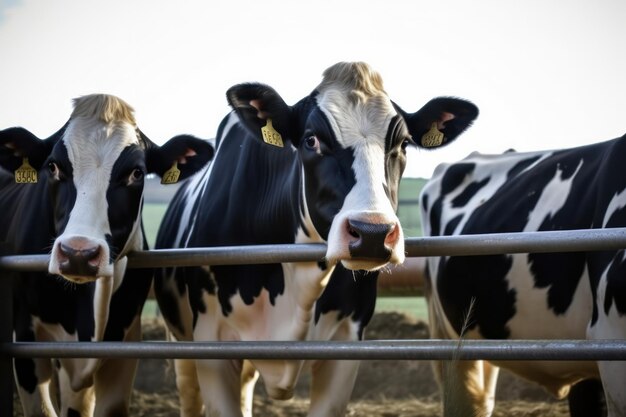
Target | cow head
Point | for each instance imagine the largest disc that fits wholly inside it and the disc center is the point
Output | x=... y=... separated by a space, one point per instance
x=351 y=139
x=94 y=170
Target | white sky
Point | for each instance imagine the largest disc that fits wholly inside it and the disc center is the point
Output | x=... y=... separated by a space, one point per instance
x=545 y=74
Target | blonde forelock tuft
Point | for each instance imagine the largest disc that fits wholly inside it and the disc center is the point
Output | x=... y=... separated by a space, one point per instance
x=357 y=78
x=107 y=108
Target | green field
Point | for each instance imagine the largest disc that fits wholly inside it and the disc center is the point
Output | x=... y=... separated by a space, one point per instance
x=408 y=208
x=152 y=215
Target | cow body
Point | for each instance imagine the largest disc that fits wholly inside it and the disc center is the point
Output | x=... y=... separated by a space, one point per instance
x=85 y=210
x=334 y=180
x=528 y=296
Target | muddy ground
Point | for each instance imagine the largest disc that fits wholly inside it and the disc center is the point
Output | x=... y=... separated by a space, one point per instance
x=383 y=388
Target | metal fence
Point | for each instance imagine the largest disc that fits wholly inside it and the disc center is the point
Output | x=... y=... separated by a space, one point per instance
x=485 y=244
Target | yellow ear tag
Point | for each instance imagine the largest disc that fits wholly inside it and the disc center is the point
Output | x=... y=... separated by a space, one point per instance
x=171 y=175
x=433 y=137
x=270 y=135
x=26 y=174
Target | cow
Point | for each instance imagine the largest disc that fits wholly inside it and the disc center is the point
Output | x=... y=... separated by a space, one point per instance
x=77 y=195
x=578 y=295
x=324 y=170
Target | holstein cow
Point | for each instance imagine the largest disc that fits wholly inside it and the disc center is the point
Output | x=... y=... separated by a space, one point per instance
x=530 y=296
x=326 y=169
x=83 y=207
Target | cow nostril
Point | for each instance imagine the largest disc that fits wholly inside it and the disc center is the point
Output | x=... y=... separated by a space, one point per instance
x=65 y=250
x=360 y=229
x=392 y=236
x=91 y=253
x=352 y=232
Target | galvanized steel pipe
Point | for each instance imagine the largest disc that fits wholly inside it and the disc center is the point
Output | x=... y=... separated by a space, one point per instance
x=553 y=350
x=483 y=244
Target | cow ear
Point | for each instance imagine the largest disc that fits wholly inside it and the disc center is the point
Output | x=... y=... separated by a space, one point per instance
x=17 y=143
x=440 y=121
x=185 y=153
x=262 y=110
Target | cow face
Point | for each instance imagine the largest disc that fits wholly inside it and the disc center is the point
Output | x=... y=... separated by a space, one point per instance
x=94 y=170
x=351 y=139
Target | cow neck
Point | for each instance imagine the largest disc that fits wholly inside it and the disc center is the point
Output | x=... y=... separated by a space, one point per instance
x=257 y=198
x=30 y=201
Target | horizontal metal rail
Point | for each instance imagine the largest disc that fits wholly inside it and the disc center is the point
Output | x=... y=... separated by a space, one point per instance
x=482 y=244
x=552 y=350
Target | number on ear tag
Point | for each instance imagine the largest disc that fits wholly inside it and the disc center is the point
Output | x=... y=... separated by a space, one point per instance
x=171 y=175
x=26 y=174
x=433 y=137
x=270 y=135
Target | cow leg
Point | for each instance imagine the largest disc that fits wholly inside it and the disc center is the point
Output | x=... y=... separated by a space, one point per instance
x=586 y=399
x=74 y=403
x=114 y=379
x=249 y=376
x=331 y=387
x=33 y=376
x=467 y=387
x=36 y=401
x=113 y=387
x=188 y=388
x=611 y=325
x=614 y=380
x=490 y=377
x=186 y=382
x=220 y=384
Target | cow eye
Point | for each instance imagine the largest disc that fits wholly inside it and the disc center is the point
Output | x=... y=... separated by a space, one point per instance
x=312 y=143
x=135 y=176
x=53 y=169
x=406 y=142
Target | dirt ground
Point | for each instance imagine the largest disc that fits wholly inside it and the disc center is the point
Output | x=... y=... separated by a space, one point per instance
x=383 y=388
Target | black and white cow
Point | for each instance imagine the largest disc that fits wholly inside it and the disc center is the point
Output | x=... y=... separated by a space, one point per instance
x=85 y=210
x=330 y=174
x=530 y=296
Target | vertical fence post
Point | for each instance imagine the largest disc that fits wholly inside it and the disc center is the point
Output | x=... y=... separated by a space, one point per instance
x=6 y=335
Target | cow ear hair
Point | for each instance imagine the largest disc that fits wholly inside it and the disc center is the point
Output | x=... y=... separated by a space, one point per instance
x=255 y=103
x=450 y=116
x=17 y=143
x=189 y=153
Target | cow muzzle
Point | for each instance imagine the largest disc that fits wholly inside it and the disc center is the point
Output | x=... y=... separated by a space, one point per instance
x=366 y=243
x=79 y=259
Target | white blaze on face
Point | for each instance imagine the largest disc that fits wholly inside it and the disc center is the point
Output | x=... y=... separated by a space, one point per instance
x=362 y=126
x=93 y=147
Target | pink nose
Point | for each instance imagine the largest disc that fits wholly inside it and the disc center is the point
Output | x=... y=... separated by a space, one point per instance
x=372 y=240
x=78 y=257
